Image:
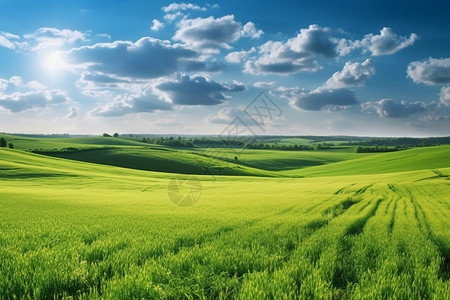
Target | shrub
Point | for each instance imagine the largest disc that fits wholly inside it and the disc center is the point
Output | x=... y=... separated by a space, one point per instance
x=2 y=142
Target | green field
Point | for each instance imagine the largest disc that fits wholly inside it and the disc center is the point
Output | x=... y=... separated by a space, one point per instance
x=309 y=224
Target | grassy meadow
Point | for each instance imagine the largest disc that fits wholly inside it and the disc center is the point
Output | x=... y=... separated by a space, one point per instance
x=98 y=224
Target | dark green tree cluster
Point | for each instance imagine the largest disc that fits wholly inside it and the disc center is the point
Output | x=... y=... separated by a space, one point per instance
x=410 y=142
x=283 y=147
x=362 y=149
x=169 y=141
x=5 y=144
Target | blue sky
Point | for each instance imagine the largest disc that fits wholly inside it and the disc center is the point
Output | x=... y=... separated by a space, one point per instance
x=373 y=68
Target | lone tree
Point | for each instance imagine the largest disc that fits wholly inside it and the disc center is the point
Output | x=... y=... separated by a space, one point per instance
x=2 y=142
x=11 y=146
x=116 y=135
x=106 y=135
x=236 y=158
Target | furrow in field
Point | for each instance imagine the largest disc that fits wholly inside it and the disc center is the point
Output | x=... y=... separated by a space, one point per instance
x=433 y=226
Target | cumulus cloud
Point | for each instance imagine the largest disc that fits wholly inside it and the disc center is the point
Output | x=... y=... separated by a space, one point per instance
x=387 y=42
x=182 y=6
x=156 y=25
x=17 y=102
x=17 y=95
x=211 y=33
x=431 y=71
x=296 y=55
x=388 y=108
x=353 y=74
x=146 y=102
x=171 y=17
x=250 y=30
x=53 y=38
x=238 y=56
x=146 y=58
x=198 y=90
x=445 y=95
x=318 y=99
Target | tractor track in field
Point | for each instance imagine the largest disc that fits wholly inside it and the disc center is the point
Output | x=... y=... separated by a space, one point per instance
x=424 y=225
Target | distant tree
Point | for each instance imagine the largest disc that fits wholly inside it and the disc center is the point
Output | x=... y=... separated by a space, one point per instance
x=236 y=158
x=11 y=146
x=116 y=135
x=106 y=135
x=2 y=142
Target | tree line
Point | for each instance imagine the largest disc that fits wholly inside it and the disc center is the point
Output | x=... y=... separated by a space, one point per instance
x=365 y=149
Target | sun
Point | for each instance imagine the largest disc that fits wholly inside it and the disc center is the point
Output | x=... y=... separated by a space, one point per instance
x=53 y=62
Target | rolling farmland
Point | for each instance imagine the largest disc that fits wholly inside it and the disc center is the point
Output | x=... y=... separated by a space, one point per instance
x=353 y=226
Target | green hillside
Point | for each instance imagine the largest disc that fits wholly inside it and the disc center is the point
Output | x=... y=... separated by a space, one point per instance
x=162 y=160
x=401 y=161
x=73 y=229
x=29 y=143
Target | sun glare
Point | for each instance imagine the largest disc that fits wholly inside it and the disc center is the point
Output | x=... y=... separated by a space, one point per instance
x=53 y=62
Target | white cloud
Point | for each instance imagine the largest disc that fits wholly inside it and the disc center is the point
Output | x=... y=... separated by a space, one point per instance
x=4 y=42
x=197 y=90
x=8 y=40
x=388 y=108
x=353 y=74
x=52 y=38
x=445 y=95
x=35 y=85
x=228 y=114
x=3 y=84
x=238 y=56
x=157 y=25
x=296 y=55
x=17 y=95
x=9 y=35
x=318 y=99
x=182 y=6
x=16 y=80
x=249 y=30
x=21 y=101
x=211 y=33
x=171 y=17
x=146 y=58
x=431 y=71
x=73 y=112
x=104 y=35
x=387 y=42
x=264 y=84
x=146 y=102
